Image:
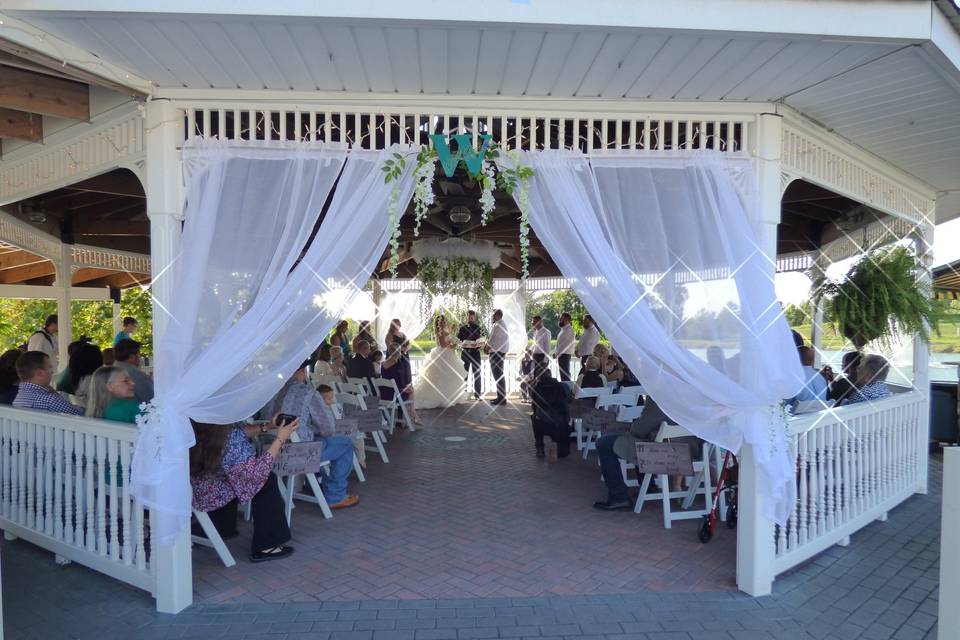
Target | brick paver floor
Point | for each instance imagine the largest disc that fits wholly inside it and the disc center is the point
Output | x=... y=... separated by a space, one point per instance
x=884 y=585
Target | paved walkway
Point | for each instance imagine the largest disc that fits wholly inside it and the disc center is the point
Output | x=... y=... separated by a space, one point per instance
x=477 y=539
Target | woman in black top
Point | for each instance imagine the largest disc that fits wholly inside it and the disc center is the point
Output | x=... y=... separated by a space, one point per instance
x=8 y=376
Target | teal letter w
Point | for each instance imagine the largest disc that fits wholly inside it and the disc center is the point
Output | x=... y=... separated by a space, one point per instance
x=473 y=159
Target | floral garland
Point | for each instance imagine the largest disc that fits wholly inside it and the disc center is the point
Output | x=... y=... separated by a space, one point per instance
x=469 y=283
x=513 y=179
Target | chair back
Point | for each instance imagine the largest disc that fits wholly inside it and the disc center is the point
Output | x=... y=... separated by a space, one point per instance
x=330 y=380
x=629 y=414
x=616 y=400
x=363 y=385
x=353 y=388
x=347 y=399
x=591 y=392
x=635 y=392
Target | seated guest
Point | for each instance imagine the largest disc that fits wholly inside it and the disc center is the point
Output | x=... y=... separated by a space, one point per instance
x=111 y=396
x=8 y=376
x=360 y=365
x=225 y=471
x=321 y=361
x=128 y=358
x=612 y=371
x=85 y=360
x=377 y=359
x=815 y=385
x=397 y=368
x=871 y=380
x=337 y=366
x=623 y=446
x=590 y=378
x=628 y=379
x=317 y=422
x=551 y=412
x=841 y=387
x=63 y=382
x=35 y=370
x=108 y=357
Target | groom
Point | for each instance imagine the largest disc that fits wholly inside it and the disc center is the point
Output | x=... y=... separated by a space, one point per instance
x=471 y=357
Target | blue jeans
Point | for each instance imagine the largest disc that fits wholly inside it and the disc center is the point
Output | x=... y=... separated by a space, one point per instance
x=610 y=467
x=339 y=451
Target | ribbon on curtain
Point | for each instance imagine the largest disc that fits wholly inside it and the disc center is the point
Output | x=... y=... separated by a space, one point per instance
x=662 y=251
x=252 y=291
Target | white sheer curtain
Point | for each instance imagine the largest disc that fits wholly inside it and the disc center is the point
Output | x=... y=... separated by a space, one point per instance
x=250 y=302
x=405 y=307
x=663 y=252
x=514 y=307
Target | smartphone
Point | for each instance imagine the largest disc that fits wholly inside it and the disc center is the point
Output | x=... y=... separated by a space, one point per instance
x=285 y=418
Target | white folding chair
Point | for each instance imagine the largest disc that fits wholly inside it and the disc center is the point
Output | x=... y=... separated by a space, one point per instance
x=357 y=468
x=634 y=392
x=354 y=386
x=351 y=399
x=288 y=487
x=213 y=539
x=701 y=483
x=629 y=414
x=588 y=392
x=330 y=380
x=392 y=406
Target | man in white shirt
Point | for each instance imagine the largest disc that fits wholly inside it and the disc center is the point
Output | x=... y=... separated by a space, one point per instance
x=45 y=340
x=497 y=346
x=589 y=339
x=541 y=341
x=565 y=346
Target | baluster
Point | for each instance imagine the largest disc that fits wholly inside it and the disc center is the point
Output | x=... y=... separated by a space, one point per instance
x=30 y=460
x=794 y=520
x=124 y=475
x=875 y=419
x=21 y=473
x=114 y=492
x=49 y=515
x=7 y=457
x=847 y=467
x=58 y=482
x=883 y=477
x=153 y=541
x=822 y=488
x=803 y=512
x=140 y=534
x=89 y=503
x=813 y=489
x=69 y=495
x=831 y=483
x=98 y=470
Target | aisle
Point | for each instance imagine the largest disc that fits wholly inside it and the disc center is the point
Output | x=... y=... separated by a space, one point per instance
x=464 y=509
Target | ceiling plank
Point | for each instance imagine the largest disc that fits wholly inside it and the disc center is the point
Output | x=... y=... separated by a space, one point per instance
x=36 y=93
x=21 y=125
x=120 y=280
x=28 y=272
x=87 y=227
x=58 y=68
x=88 y=274
x=19 y=259
x=115 y=183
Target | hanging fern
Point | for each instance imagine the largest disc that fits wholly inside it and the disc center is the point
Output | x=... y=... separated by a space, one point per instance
x=881 y=298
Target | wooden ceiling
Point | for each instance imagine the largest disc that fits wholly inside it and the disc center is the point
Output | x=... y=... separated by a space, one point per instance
x=22 y=267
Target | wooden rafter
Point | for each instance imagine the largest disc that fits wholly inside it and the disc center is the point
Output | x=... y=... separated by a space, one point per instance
x=23 y=57
x=89 y=274
x=21 y=125
x=37 y=93
x=15 y=259
x=27 y=272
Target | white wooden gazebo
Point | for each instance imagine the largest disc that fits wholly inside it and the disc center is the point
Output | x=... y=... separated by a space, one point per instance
x=860 y=99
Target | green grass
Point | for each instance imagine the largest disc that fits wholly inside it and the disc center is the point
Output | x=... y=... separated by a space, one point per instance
x=947 y=342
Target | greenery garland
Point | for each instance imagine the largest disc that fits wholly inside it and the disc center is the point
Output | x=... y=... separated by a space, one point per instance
x=513 y=180
x=469 y=282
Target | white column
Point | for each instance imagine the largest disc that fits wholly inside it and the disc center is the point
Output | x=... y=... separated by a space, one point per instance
x=64 y=282
x=755 y=544
x=117 y=314
x=949 y=549
x=377 y=319
x=816 y=330
x=164 y=133
x=921 y=357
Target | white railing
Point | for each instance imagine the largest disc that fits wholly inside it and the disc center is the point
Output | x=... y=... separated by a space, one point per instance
x=64 y=486
x=854 y=464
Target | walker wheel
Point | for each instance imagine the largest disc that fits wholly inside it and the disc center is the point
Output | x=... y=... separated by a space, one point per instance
x=706 y=531
x=731 y=516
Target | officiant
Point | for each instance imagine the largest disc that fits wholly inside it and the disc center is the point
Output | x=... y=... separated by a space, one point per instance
x=470 y=337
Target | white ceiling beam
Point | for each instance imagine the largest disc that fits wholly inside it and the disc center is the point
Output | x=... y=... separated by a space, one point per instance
x=25 y=34
x=882 y=19
x=40 y=292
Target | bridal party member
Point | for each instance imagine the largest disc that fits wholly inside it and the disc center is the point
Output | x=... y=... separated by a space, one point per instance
x=497 y=347
x=340 y=339
x=541 y=341
x=470 y=332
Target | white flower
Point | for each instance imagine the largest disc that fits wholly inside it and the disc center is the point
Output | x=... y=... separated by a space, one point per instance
x=423 y=191
x=487 y=201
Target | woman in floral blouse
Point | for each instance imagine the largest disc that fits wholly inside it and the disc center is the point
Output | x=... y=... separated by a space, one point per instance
x=225 y=471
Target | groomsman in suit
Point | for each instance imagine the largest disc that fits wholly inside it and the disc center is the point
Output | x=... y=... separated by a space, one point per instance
x=589 y=339
x=471 y=357
x=497 y=347
x=541 y=341
x=565 y=346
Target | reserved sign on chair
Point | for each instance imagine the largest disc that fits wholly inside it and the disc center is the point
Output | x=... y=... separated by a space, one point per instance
x=298 y=457
x=664 y=458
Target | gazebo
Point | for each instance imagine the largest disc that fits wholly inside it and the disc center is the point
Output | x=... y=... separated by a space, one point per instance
x=845 y=129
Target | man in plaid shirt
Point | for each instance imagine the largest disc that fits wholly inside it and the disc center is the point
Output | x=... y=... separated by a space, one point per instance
x=35 y=371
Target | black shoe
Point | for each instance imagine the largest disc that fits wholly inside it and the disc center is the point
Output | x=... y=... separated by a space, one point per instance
x=499 y=401
x=541 y=453
x=612 y=506
x=274 y=554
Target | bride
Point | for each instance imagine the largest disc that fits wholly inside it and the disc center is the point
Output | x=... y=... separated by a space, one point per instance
x=440 y=383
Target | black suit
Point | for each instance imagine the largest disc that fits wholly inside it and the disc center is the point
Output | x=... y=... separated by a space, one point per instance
x=471 y=357
x=360 y=367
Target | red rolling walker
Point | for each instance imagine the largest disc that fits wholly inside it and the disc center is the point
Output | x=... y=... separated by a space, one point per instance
x=727 y=481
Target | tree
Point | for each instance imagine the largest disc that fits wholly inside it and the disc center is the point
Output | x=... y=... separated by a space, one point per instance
x=550 y=306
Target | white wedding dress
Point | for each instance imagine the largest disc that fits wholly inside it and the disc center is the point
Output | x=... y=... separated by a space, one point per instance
x=440 y=382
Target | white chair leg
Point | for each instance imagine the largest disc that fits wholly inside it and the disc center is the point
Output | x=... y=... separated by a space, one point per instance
x=287 y=491
x=247 y=511
x=357 y=469
x=644 y=488
x=213 y=539
x=665 y=493
x=578 y=429
x=378 y=440
x=406 y=415
x=314 y=483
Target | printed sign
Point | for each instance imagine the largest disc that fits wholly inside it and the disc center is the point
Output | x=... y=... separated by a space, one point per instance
x=367 y=420
x=465 y=151
x=599 y=419
x=672 y=459
x=298 y=457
